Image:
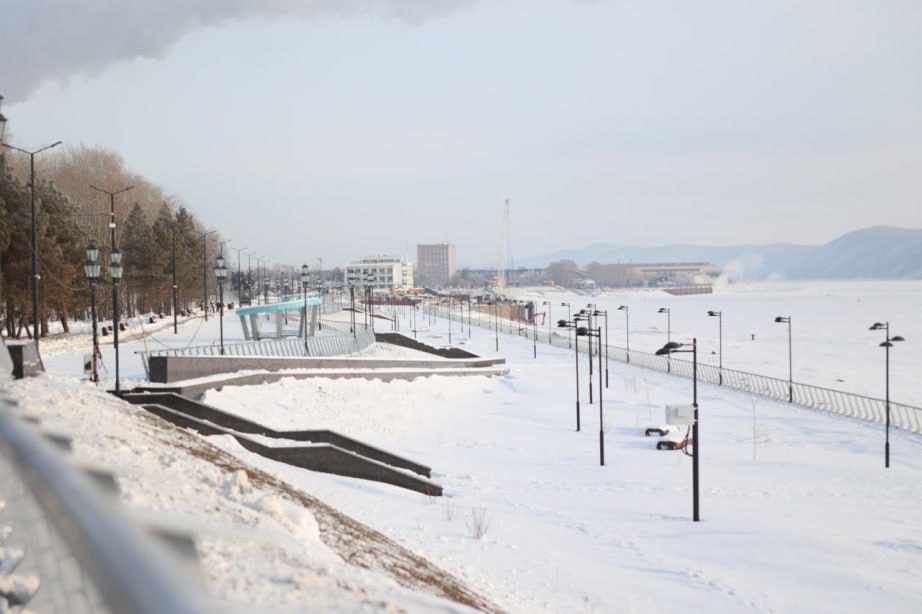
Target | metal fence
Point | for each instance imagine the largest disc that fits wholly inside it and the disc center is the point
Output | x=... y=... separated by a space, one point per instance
x=68 y=549
x=324 y=345
x=871 y=409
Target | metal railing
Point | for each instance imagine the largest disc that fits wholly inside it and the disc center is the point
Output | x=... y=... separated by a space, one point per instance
x=67 y=548
x=906 y=417
x=325 y=345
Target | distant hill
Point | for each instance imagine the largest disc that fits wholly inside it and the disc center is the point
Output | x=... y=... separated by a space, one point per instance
x=881 y=252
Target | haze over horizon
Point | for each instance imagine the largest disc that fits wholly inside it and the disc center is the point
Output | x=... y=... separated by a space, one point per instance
x=342 y=129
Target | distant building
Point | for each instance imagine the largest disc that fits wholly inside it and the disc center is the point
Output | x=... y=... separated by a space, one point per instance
x=652 y=274
x=389 y=272
x=435 y=264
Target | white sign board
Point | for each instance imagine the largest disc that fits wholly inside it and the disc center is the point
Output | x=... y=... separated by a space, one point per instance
x=680 y=414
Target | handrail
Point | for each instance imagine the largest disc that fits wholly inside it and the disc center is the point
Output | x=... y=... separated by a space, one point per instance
x=128 y=571
x=871 y=409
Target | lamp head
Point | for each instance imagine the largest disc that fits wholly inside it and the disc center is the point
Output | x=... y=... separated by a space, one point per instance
x=663 y=310
x=897 y=338
x=582 y=331
x=92 y=252
x=713 y=313
x=877 y=326
x=622 y=308
x=782 y=319
x=562 y=324
x=669 y=348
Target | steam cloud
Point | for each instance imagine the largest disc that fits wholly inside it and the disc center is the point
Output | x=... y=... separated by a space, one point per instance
x=53 y=39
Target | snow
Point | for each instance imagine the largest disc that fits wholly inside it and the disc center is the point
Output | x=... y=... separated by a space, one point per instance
x=798 y=513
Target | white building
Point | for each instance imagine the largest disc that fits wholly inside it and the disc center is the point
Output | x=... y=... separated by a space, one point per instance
x=389 y=272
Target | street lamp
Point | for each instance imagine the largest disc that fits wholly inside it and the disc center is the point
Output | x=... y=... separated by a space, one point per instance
x=305 y=282
x=569 y=317
x=115 y=270
x=220 y=272
x=568 y=324
x=582 y=331
x=496 y=320
x=787 y=320
x=627 y=332
x=887 y=344
x=604 y=313
x=668 y=313
x=35 y=275
x=587 y=315
x=91 y=268
x=205 y=271
x=550 y=318
x=673 y=348
x=720 y=346
x=2 y=120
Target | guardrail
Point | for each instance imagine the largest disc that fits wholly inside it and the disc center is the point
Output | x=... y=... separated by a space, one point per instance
x=902 y=416
x=325 y=345
x=67 y=548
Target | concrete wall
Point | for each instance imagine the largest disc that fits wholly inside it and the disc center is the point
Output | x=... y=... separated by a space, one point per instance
x=167 y=369
x=226 y=420
x=321 y=457
x=26 y=361
x=408 y=342
x=195 y=391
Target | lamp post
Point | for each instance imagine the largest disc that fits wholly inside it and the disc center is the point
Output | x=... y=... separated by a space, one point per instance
x=112 y=226
x=220 y=272
x=604 y=313
x=720 y=345
x=627 y=332
x=369 y=308
x=496 y=320
x=35 y=275
x=2 y=120
x=787 y=320
x=568 y=324
x=534 y=333
x=569 y=317
x=587 y=315
x=305 y=282
x=91 y=268
x=583 y=331
x=351 y=281
x=887 y=344
x=672 y=348
x=115 y=270
x=668 y=313
x=550 y=318
x=205 y=271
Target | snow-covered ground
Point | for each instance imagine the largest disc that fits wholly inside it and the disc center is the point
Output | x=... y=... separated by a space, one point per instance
x=798 y=513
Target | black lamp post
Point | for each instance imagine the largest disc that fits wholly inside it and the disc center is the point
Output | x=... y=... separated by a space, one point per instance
x=220 y=272
x=205 y=271
x=351 y=281
x=587 y=316
x=534 y=333
x=115 y=270
x=369 y=291
x=672 y=348
x=787 y=320
x=35 y=275
x=91 y=267
x=568 y=324
x=668 y=313
x=887 y=344
x=496 y=320
x=627 y=332
x=305 y=282
x=582 y=331
x=550 y=318
x=604 y=313
x=2 y=120
x=720 y=345
x=569 y=317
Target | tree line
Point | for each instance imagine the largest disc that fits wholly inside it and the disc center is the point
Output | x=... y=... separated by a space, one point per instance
x=70 y=215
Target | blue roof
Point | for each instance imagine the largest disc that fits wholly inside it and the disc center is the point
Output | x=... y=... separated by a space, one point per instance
x=312 y=299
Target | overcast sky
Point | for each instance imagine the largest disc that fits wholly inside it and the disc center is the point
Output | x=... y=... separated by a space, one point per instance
x=340 y=128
